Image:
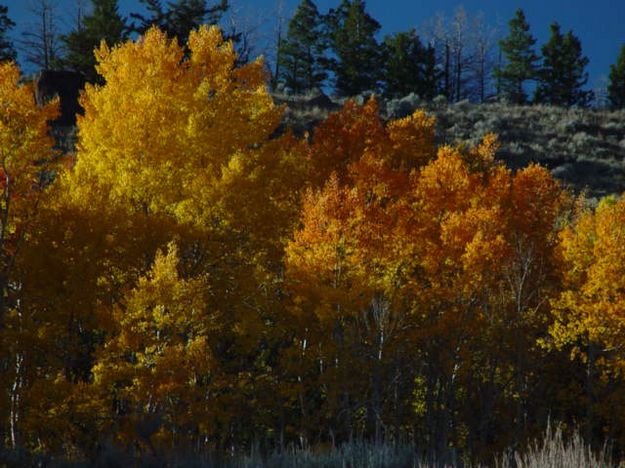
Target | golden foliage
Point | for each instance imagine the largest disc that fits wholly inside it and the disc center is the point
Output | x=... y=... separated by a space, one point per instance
x=200 y=279
x=589 y=309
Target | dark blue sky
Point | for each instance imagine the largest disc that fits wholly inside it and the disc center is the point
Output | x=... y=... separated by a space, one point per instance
x=600 y=24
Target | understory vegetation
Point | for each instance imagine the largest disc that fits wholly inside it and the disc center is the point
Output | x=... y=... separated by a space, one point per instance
x=554 y=450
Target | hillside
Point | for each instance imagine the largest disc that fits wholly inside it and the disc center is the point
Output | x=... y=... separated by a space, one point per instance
x=584 y=148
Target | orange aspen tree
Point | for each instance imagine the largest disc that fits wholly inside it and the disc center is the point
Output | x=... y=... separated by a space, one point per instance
x=410 y=251
x=340 y=266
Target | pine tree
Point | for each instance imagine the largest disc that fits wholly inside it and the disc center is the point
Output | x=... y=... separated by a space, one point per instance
x=616 y=87
x=562 y=74
x=358 y=59
x=7 y=51
x=521 y=60
x=410 y=66
x=179 y=18
x=104 y=23
x=301 y=54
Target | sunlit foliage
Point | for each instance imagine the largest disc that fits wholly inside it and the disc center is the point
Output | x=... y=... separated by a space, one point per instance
x=201 y=280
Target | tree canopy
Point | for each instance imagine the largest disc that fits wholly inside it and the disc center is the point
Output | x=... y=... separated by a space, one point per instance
x=562 y=74
x=7 y=50
x=521 y=60
x=303 y=64
x=179 y=17
x=358 y=59
x=616 y=87
x=410 y=66
x=103 y=24
x=195 y=280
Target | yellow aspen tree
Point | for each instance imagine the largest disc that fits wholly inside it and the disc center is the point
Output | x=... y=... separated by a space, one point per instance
x=171 y=135
x=184 y=147
x=155 y=369
x=587 y=311
x=190 y=141
x=27 y=164
x=588 y=322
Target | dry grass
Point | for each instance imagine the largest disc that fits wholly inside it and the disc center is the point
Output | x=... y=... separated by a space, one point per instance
x=554 y=450
x=557 y=451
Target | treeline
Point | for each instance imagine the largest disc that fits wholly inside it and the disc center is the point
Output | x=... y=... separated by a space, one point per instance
x=42 y=45
x=460 y=58
x=194 y=281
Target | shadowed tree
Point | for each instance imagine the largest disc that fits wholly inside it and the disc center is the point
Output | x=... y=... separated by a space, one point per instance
x=179 y=17
x=25 y=151
x=103 y=24
x=521 y=60
x=7 y=51
x=301 y=55
x=40 y=40
x=410 y=66
x=358 y=60
x=616 y=87
x=563 y=72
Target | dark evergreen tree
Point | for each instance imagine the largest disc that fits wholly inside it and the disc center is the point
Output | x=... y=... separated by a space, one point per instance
x=7 y=51
x=616 y=87
x=104 y=23
x=358 y=58
x=520 y=60
x=410 y=67
x=563 y=72
x=302 y=52
x=179 y=18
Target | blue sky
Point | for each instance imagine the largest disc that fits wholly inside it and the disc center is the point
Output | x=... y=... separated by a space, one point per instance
x=599 y=24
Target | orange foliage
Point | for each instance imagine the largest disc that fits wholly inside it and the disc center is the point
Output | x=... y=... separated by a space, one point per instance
x=365 y=282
